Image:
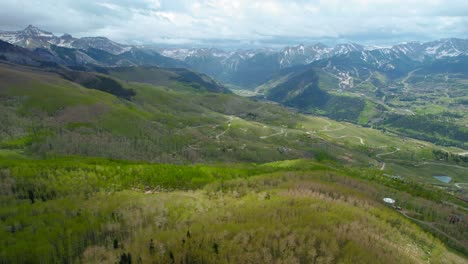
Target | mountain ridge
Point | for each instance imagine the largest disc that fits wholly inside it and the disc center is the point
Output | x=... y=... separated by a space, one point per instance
x=71 y=51
x=247 y=68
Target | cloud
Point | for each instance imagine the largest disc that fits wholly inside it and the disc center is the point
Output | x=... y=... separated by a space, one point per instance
x=241 y=21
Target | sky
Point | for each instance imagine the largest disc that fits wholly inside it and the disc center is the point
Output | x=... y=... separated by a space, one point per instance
x=243 y=22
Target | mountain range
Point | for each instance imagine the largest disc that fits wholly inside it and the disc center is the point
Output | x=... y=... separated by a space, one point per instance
x=253 y=67
x=86 y=51
x=32 y=37
x=242 y=68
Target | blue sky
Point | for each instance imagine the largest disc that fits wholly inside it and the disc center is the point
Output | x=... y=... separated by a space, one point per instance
x=243 y=22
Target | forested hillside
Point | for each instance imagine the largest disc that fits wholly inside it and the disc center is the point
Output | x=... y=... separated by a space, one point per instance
x=141 y=164
x=290 y=211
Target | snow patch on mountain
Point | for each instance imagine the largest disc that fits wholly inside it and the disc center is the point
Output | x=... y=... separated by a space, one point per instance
x=32 y=37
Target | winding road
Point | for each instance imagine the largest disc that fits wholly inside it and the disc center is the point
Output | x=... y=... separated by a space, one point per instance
x=387 y=153
x=458 y=185
x=384 y=154
x=272 y=135
x=383 y=166
x=229 y=126
x=440 y=164
x=326 y=128
x=361 y=140
x=405 y=84
x=329 y=124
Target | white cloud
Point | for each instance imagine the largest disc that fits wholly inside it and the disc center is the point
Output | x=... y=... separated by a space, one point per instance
x=244 y=20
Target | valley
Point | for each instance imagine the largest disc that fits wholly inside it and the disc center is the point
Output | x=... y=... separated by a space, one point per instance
x=114 y=153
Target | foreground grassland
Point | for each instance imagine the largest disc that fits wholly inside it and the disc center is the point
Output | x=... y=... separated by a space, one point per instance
x=102 y=211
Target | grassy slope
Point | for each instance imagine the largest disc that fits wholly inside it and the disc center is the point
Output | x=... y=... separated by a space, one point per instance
x=312 y=91
x=165 y=120
x=174 y=123
x=427 y=95
x=436 y=99
x=284 y=211
x=178 y=123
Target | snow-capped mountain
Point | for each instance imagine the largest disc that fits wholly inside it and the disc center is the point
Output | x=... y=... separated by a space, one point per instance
x=305 y=54
x=184 y=53
x=446 y=48
x=246 y=68
x=302 y=54
x=86 y=51
x=32 y=37
x=230 y=66
x=100 y=43
x=429 y=50
x=345 y=48
x=287 y=57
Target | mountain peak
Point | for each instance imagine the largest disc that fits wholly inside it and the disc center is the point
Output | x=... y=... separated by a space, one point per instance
x=29 y=27
x=35 y=31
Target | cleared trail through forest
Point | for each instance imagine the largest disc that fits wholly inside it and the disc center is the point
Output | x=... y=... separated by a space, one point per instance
x=328 y=125
x=326 y=128
x=459 y=184
x=440 y=164
x=431 y=226
x=383 y=166
x=387 y=153
x=361 y=140
x=455 y=205
x=404 y=81
x=226 y=130
x=275 y=134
